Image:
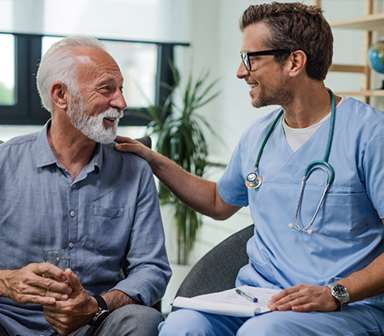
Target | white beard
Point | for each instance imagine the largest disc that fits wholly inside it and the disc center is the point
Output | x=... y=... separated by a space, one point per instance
x=92 y=127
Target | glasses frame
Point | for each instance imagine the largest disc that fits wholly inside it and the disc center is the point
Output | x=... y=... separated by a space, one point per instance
x=245 y=55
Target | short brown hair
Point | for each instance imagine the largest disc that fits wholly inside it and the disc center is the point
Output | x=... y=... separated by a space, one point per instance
x=295 y=26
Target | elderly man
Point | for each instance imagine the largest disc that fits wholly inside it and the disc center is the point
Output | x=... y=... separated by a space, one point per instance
x=66 y=187
x=325 y=253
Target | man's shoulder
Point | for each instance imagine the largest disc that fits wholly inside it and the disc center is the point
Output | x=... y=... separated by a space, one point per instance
x=362 y=115
x=357 y=108
x=124 y=158
x=22 y=141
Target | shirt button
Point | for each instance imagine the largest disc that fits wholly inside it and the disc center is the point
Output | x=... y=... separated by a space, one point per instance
x=70 y=245
x=73 y=186
x=72 y=213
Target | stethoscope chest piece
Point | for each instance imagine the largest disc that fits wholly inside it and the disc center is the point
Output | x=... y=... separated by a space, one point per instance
x=253 y=180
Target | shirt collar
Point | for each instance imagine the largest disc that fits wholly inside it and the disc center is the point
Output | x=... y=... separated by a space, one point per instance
x=45 y=156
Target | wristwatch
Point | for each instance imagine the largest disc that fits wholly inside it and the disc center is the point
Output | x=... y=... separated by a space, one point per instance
x=340 y=293
x=102 y=314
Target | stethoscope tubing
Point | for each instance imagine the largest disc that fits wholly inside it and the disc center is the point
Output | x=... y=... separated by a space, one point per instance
x=253 y=183
x=306 y=229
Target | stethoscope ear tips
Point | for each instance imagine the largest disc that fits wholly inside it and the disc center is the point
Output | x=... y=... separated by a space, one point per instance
x=290 y=225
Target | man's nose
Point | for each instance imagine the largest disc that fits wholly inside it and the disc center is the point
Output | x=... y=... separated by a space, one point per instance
x=118 y=100
x=242 y=72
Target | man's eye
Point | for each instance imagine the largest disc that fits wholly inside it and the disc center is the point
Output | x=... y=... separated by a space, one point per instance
x=105 y=89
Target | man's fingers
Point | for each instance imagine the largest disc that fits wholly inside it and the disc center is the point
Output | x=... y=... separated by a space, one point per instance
x=50 y=271
x=37 y=284
x=56 y=289
x=73 y=280
x=55 y=323
x=36 y=299
x=303 y=298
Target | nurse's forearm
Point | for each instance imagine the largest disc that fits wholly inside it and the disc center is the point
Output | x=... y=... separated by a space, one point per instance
x=199 y=194
x=367 y=282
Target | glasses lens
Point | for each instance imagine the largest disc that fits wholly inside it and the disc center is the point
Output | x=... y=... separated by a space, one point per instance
x=245 y=58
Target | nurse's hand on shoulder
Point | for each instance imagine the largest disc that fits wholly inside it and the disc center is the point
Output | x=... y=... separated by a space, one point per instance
x=303 y=298
x=125 y=144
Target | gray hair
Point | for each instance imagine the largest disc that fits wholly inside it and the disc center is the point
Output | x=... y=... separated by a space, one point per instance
x=59 y=64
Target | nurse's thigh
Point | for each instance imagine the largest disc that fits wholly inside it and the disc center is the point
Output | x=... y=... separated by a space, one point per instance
x=358 y=320
x=193 y=323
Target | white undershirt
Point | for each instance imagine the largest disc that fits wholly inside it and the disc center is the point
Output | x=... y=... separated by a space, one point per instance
x=296 y=137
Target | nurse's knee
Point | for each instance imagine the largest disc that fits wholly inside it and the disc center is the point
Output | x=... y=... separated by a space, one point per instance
x=276 y=323
x=185 y=322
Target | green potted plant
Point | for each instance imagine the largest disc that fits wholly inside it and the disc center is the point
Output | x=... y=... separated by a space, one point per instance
x=180 y=138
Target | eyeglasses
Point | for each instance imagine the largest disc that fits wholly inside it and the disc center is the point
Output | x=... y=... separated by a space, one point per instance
x=245 y=55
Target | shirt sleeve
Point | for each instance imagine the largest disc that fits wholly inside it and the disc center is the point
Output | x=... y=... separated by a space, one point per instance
x=148 y=270
x=231 y=186
x=374 y=172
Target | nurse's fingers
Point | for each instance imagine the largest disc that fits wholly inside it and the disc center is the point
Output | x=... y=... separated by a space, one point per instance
x=303 y=298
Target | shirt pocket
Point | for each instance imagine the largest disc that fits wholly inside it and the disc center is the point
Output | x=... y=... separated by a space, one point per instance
x=347 y=215
x=110 y=228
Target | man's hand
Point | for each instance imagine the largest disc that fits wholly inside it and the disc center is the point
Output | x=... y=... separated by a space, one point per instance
x=303 y=298
x=67 y=316
x=38 y=283
x=125 y=144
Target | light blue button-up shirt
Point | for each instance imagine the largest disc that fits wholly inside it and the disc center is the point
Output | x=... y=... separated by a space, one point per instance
x=107 y=217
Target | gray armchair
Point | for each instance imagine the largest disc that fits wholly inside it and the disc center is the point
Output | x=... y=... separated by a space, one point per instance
x=217 y=270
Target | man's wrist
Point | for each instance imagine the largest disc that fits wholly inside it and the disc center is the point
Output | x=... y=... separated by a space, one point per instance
x=340 y=293
x=102 y=312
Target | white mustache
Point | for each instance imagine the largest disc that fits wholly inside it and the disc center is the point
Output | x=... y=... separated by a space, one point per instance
x=112 y=113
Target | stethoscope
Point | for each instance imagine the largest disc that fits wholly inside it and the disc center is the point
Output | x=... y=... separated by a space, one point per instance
x=253 y=180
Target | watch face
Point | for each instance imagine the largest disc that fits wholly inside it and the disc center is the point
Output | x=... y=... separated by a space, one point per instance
x=339 y=290
x=340 y=293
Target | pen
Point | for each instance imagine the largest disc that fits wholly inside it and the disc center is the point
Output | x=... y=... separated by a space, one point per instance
x=246 y=295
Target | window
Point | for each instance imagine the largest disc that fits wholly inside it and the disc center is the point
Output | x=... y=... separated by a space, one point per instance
x=7 y=70
x=144 y=66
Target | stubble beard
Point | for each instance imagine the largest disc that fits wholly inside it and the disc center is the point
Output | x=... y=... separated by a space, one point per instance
x=277 y=95
x=92 y=126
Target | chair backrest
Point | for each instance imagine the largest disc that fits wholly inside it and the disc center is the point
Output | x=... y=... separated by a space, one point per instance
x=217 y=270
x=147 y=141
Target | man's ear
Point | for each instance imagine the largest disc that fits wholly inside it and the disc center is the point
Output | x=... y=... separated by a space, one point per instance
x=297 y=62
x=60 y=95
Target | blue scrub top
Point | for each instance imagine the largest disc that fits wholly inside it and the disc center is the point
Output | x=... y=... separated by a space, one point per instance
x=348 y=232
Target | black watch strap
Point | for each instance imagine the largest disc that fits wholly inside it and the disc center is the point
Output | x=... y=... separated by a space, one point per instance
x=103 y=312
